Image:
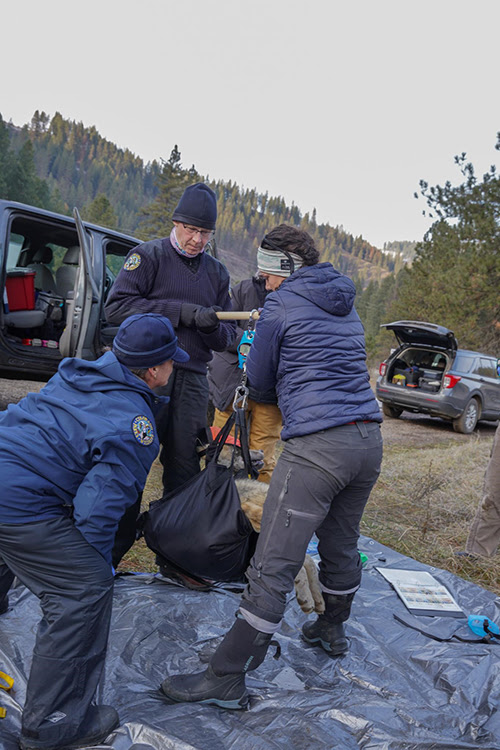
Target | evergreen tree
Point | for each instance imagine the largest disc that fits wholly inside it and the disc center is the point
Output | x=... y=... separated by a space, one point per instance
x=172 y=182
x=24 y=183
x=5 y=160
x=101 y=212
x=455 y=277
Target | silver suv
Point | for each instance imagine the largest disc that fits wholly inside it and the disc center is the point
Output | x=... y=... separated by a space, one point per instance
x=429 y=374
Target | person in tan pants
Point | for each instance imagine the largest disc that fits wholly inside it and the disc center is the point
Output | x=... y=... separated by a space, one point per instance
x=264 y=432
x=224 y=375
x=484 y=534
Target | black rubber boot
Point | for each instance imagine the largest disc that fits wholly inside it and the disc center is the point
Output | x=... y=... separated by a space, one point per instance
x=225 y=691
x=99 y=723
x=222 y=684
x=327 y=630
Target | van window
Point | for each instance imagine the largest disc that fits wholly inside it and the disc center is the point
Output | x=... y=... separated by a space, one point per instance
x=14 y=251
x=463 y=363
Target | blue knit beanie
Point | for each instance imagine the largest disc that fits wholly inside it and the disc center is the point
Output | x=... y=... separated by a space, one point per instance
x=147 y=340
x=197 y=206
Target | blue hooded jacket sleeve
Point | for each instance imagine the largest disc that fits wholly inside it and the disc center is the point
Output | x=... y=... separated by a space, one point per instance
x=118 y=474
x=86 y=441
x=264 y=356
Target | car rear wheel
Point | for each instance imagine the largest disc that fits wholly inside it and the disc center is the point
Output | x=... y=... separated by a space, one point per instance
x=467 y=421
x=391 y=411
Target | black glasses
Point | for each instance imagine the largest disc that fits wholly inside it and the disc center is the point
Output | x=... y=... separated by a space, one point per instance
x=205 y=234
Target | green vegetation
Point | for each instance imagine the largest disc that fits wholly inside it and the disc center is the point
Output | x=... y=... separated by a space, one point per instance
x=455 y=276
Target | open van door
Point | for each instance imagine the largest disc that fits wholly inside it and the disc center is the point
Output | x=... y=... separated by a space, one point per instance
x=85 y=292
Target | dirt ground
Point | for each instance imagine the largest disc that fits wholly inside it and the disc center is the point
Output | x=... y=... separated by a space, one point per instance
x=409 y=430
x=12 y=391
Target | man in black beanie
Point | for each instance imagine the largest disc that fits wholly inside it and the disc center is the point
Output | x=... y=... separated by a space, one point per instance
x=174 y=277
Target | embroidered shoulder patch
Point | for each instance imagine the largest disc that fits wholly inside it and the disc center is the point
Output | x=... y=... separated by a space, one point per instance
x=133 y=262
x=143 y=430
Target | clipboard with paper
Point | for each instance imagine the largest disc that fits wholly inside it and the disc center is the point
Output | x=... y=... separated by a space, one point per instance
x=421 y=593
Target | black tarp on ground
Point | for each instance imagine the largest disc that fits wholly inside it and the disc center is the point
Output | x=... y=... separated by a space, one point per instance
x=396 y=689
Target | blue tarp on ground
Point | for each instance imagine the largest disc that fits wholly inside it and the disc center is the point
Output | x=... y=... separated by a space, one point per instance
x=396 y=689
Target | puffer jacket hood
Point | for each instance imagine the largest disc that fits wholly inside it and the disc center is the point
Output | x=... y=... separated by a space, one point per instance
x=309 y=345
x=323 y=285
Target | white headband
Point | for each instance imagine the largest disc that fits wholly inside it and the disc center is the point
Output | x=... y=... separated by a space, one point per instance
x=276 y=262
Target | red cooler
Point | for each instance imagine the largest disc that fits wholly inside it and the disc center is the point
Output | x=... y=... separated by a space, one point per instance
x=20 y=286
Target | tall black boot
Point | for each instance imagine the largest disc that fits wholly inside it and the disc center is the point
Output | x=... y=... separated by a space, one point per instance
x=223 y=682
x=57 y=735
x=328 y=630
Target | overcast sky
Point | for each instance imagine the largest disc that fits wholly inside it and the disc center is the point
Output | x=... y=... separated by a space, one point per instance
x=338 y=105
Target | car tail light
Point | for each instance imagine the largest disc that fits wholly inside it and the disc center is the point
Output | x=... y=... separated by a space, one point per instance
x=382 y=368
x=450 y=381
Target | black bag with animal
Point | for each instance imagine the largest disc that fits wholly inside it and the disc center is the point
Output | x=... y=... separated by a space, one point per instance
x=201 y=527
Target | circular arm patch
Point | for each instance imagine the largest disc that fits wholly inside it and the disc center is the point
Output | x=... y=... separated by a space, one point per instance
x=133 y=262
x=143 y=430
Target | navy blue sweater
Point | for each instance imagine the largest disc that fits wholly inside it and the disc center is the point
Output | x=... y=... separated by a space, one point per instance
x=155 y=279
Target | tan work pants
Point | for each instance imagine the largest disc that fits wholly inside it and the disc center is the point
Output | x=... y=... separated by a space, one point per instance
x=484 y=534
x=264 y=432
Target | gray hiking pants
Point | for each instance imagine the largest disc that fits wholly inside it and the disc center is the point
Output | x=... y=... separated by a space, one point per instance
x=75 y=587
x=484 y=534
x=320 y=485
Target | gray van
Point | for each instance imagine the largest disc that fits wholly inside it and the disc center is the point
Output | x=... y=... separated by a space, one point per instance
x=55 y=274
x=429 y=374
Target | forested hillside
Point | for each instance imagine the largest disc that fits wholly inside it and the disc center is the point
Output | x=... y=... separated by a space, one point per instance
x=451 y=278
x=77 y=167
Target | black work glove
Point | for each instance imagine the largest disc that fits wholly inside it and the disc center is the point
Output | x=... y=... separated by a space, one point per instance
x=188 y=313
x=206 y=319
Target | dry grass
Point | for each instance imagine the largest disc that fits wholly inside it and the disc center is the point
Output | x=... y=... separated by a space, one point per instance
x=140 y=558
x=424 y=502
x=422 y=506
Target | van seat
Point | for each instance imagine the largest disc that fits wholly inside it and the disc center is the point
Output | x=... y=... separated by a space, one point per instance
x=44 y=280
x=66 y=274
x=24 y=319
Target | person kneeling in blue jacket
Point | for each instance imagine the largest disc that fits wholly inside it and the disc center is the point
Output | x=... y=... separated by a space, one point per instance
x=72 y=459
x=309 y=346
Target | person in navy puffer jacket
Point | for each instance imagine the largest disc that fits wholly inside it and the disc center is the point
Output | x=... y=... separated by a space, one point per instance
x=72 y=459
x=309 y=346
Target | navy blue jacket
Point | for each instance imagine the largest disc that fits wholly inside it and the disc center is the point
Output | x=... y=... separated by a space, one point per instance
x=155 y=279
x=309 y=344
x=224 y=373
x=85 y=444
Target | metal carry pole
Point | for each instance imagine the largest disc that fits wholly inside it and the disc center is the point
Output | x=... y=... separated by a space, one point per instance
x=238 y=315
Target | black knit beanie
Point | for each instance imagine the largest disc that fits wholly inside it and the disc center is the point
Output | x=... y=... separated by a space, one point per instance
x=197 y=206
